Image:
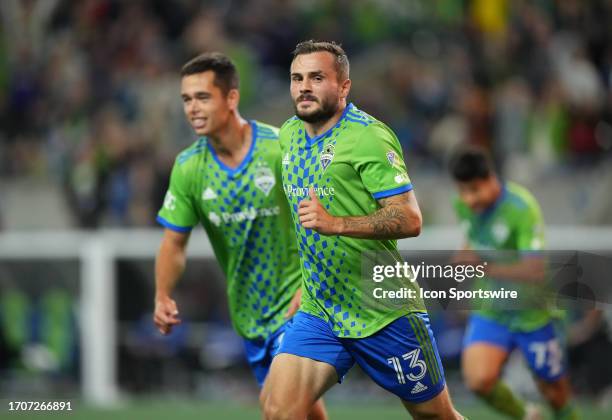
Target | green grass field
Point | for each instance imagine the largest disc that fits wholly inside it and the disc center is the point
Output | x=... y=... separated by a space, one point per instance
x=188 y=410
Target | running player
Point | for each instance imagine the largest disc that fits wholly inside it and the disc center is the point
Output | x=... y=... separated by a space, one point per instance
x=505 y=216
x=229 y=181
x=349 y=192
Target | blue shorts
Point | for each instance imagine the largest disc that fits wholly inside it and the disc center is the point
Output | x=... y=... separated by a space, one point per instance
x=542 y=347
x=402 y=357
x=261 y=352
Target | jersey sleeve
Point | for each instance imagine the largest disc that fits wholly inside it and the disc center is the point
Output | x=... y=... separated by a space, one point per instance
x=380 y=162
x=530 y=230
x=178 y=212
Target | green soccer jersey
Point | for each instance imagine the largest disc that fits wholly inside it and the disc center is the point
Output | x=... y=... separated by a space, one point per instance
x=513 y=223
x=246 y=217
x=351 y=166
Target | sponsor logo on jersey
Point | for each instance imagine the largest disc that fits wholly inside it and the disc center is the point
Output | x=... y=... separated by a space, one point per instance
x=327 y=156
x=214 y=218
x=391 y=157
x=419 y=387
x=170 y=201
x=286 y=159
x=209 y=194
x=264 y=179
x=250 y=213
x=293 y=190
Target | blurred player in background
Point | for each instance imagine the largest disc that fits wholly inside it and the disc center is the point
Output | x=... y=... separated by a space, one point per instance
x=346 y=182
x=229 y=181
x=505 y=216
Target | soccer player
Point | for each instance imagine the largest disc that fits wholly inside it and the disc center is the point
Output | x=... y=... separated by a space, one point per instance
x=505 y=216
x=229 y=181
x=349 y=192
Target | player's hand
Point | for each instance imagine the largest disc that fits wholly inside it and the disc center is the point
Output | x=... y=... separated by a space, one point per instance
x=314 y=216
x=294 y=305
x=166 y=314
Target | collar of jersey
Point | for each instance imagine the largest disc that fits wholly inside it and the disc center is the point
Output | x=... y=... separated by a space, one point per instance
x=491 y=209
x=235 y=171
x=311 y=141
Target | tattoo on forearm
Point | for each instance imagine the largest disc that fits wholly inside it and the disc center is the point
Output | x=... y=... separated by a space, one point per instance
x=389 y=222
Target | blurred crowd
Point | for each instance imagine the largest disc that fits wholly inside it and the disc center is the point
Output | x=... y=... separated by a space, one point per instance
x=89 y=94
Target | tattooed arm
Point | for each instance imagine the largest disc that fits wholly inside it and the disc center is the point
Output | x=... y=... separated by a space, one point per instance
x=398 y=217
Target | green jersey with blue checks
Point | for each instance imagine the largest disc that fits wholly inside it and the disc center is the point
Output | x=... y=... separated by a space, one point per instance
x=244 y=212
x=350 y=167
x=513 y=223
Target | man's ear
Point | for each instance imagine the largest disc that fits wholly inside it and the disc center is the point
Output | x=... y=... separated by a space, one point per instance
x=345 y=88
x=233 y=98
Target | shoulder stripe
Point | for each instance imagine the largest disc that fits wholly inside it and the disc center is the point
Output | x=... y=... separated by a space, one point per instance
x=184 y=157
x=355 y=114
x=264 y=128
x=360 y=114
x=362 y=122
x=267 y=135
x=517 y=199
x=197 y=148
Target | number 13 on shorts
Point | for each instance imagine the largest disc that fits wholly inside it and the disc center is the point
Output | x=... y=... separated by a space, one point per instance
x=417 y=367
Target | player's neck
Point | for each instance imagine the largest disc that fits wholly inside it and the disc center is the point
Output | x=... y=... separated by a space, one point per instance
x=232 y=142
x=316 y=129
x=497 y=192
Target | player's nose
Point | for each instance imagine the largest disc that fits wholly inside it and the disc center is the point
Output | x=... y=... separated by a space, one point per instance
x=194 y=108
x=306 y=86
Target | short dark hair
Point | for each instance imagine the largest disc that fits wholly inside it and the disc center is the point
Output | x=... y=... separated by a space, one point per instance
x=470 y=163
x=226 y=75
x=312 y=46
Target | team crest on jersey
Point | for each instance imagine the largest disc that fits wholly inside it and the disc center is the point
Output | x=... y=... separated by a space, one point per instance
x=264 y=179
x=391 y=157
x=500 y=232
x=327 y=156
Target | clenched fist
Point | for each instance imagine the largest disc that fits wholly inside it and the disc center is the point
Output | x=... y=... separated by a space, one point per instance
x=314 y=216
x=166 y=314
